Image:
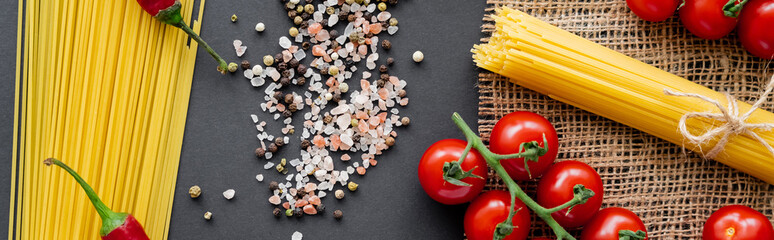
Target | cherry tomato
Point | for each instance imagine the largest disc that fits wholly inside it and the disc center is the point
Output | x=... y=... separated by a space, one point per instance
x=519 y=127
x=653 y=10
x=431 y=172
x=737 y=222
x=705 y=18
x=490 y=209
x=606 y=224
x=556 y=188
x=756 y=22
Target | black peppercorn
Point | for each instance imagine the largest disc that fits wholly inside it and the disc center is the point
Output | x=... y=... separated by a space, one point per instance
x=334 y=45
x=284 y=81
x=309 y=1
x=390 y=61
x=287 y=113
x=293 y=63
x=282 y=66
x=303 y=25
x=368 y=16
x=245 y=64
x=298 y=212
x=369 y=35
x=380 y=83
x=293 y=108
x=333 y=33
x=320 y=208
x=301 y=69
x=272 y=147
x=324 y=70
x=278 y=95
x=289 y=98
x=306 y=46
x=324 y=22
x=386 y=44
x=393 y=2
x=273 y=185
x=305 y=15
x=351 y=18
x=327 y=119
x=286 y=73
x=383 y=68
x=301 y=193
x=336 y=97
x=384 y=76
x=277 y=212
x=301 y=81
x=343 y=15
x=278 y=59
x=292 y=14
x=305 y=144
x=356 y=138
x=260 y=152
x=279 y=141
x=385 y=25
x=338 y=214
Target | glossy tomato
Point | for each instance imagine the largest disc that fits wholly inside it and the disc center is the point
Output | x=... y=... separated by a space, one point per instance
x=490 y=209
x=431 y=172
x=606 y=224
x=756 y=28
x=653 y=10
x=737 y=222
x=705 y=18
x=556 y=188
x=520 y=127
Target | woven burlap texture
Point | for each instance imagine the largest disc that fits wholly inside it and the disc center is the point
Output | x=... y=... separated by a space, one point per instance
x=673 y=193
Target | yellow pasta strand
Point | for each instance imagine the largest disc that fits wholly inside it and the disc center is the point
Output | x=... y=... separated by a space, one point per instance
x=104 y=87
x=574 y=70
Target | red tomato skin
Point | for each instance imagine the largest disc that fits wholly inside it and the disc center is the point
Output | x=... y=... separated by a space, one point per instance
x=653 y=10
x=747 y=223
x=519 y=127
x=430 y=172
x=705 y=18
x=756 y=28
x=490 y=209
x=555 y=188
x=607 y=222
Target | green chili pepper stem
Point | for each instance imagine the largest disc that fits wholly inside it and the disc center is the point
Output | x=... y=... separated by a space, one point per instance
x=110 y=220
x=493 y=160
x=222 y=66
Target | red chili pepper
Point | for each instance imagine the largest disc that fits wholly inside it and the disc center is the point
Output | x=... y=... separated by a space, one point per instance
x=115 y=226
x=168 y=11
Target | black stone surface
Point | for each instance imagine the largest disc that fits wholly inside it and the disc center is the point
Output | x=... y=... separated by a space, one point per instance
x=220 y=137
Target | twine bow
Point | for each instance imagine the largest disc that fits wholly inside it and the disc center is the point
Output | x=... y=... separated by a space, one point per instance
x=734 y=124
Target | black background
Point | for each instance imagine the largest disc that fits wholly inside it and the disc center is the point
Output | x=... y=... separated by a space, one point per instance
x=220 y=137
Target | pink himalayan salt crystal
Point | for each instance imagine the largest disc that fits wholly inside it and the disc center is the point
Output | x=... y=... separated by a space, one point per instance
x=286 y=205
x=280 y=107
x=314 y=28
x=335 y=142
x=361 y=170
x=376 y=28
x=364 y=84
x=373 y=162
x=361 y=115
x=319 y=141
x=379 y=131
x=293 y=49
x=359 y=21
x=362 y=126
x=394 y=134
x=366 y=26
x=383 y=94
x=404 y=102
x=315 y=200
x=274 y=200
x=331 y=82
x=322 y=35
x=374 y=121
x=345 y=157
x=309 y=209
x=362 y=49
x=382 y=116
x=310 y=188
x=318 y=50
x=269 y=104
x=394 y=80
x=286 y=56
x=327 y=58
x=301 y=203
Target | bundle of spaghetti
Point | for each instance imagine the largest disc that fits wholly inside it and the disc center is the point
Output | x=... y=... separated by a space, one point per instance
x=576 y=71
x=104 y=87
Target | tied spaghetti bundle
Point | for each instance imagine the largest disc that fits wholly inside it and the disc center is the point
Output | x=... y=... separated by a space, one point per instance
x=103 y=86
x=571 y=69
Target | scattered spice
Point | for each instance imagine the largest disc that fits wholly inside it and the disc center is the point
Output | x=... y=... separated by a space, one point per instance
x=305 y=144
x=390 y=141
x=280 y=142
x=268 y=60
x=393 y=22
x=232 y=67
x=289 y=212
x=386 y=44
x=245 y=64
x=352 y=186
x=382 y=6
x=273 y=185
x=277 y=212
x=260 y=27
x=402 y=93
x=339 y=194
x=383 y=68
x=195 y=191
x=272 y=147
x=418 y=56
x=298 y=212
x=207 y=215
x=405 y=121
x=293 y=31
x=338 y=214
x=233 y=18
x=320 y=208
x=390 y=61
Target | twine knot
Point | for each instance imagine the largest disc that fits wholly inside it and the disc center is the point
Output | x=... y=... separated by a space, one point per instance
x=734 y=124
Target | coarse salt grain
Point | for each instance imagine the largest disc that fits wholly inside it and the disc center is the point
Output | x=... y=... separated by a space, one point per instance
x=229 y=194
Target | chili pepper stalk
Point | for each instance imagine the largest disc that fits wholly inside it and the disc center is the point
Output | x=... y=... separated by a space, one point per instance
x=168 y=12
x=115 y=225
x=581 y=193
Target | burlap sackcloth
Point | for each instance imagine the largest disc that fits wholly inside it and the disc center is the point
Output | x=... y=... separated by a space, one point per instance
x=673 y=193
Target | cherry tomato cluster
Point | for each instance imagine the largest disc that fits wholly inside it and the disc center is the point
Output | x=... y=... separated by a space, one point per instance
x=714 y=19
x=452 y=172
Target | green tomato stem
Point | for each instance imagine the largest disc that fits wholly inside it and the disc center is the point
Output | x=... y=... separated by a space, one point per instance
x=493 y=160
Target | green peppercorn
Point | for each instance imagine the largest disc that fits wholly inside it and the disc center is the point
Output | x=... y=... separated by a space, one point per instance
x=354 y=123
x=298 y=20
x=309 y=8
x=382 y=6
x=300 y=8
x=268 y=60
x=293 y=31
x=330 y=10
x=233 y=18
x=393 y=22
x=352 y=186
x=289 y=212
x=232 y=67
